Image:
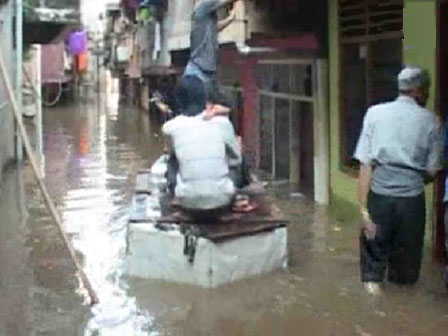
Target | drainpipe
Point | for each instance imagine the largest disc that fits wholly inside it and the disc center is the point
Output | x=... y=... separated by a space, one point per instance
x=18 y=70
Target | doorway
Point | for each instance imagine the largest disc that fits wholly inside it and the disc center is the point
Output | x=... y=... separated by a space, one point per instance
x=438 y=236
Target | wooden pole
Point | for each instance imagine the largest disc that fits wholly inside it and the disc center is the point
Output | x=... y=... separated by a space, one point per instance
x=48 y=201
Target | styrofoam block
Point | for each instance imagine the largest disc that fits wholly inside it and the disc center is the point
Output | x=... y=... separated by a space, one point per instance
x=156 y=254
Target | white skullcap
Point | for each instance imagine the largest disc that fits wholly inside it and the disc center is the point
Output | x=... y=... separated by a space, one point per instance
x=412 y=77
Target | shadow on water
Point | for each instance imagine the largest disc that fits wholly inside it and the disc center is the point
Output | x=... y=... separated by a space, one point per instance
x=93 y=152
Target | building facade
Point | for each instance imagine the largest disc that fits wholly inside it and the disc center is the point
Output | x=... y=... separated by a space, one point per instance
x=7 y=135
x=273 y=67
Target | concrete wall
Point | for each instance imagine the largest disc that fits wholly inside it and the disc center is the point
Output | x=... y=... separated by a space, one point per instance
x=6 y=117
x=342 y=186
x=419 y=48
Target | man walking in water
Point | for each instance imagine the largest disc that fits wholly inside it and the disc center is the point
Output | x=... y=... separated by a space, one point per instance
x=204 y=41
x=400 y=149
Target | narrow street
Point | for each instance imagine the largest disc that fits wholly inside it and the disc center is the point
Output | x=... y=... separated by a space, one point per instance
x=93 y=152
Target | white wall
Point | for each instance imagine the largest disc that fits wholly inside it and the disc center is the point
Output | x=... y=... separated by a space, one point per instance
x=6 y=117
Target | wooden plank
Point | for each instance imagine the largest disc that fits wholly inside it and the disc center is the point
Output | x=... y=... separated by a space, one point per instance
x=235 y=230
x=222 y=231
x=240 y=221
x=267 y=217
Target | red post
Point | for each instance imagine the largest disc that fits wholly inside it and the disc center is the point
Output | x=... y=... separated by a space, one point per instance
x=250 y=117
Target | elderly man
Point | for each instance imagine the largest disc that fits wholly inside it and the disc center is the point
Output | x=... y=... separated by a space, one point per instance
x=204 y=41
x=400 y=149
x=205 y=150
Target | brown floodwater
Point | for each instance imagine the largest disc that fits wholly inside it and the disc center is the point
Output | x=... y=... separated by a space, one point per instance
x=93 y=151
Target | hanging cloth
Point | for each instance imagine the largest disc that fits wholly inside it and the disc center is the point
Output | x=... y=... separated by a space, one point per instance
x=134 y=4
x=144 y=14
x=77 y=42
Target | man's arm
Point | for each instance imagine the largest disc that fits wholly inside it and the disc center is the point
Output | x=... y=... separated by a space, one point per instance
x=364 y=154
x=364 y=180
x=231 y=142
x=168 y=143
x=161 y=105
x=211 y=6
x=223 y=24
x=435 y=157
x=223 y=3
x=217 y=110
x=365 y=177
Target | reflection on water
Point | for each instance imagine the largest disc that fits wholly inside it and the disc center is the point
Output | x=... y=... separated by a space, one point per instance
x=92 y=171
x=93 y=153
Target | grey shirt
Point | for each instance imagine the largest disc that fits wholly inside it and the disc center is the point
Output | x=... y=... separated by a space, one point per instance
x=205 y=149
x=204 y=35
x=403 y=142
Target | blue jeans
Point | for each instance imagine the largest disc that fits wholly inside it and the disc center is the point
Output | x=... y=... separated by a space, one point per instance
x=210 y=81
x=207 y=78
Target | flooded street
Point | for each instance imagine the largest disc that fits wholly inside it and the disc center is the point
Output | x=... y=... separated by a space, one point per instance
x=93 y=152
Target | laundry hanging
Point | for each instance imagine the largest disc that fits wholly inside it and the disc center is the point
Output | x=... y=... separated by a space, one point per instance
x=77 y=42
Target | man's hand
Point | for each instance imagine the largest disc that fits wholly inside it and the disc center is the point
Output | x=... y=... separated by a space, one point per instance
x=232 y=15
x=215 y=110
x=227 y=21
x=368 y=226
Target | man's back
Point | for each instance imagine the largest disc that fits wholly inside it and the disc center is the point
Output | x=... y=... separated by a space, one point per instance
x=203 y=150
x=402 y=140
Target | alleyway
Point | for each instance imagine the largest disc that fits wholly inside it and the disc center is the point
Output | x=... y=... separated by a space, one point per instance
x=93 y=152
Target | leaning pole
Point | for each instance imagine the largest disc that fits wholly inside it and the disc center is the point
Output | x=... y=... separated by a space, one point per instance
x=48 y=201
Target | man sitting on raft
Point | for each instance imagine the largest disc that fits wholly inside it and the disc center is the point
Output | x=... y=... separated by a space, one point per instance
x=205 y=150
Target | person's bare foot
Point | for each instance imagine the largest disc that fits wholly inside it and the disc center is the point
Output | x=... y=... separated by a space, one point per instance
x=373 y=288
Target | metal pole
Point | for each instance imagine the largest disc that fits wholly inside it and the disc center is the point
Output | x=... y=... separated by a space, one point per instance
x=18 y=71
x=38 y=119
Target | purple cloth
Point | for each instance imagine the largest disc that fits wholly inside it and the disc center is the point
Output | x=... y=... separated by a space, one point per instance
x=77 y=43
x=131 y=3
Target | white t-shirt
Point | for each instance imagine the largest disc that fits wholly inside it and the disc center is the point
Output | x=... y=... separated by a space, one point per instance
x=204 y=149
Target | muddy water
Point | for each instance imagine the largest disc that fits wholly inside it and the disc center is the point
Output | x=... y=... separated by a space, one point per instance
x=93 y=152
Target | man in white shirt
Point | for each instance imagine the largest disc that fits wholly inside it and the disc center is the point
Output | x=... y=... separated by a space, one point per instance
x=205 y=149
x=400 y=149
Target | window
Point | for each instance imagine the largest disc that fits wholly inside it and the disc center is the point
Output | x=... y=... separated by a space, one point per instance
x=286 y=121
x=371 y=57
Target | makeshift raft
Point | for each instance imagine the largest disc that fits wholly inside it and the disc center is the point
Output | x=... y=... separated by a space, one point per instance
x=161 y=247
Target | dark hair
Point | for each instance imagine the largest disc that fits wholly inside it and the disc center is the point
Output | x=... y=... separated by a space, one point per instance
x=190 y=96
